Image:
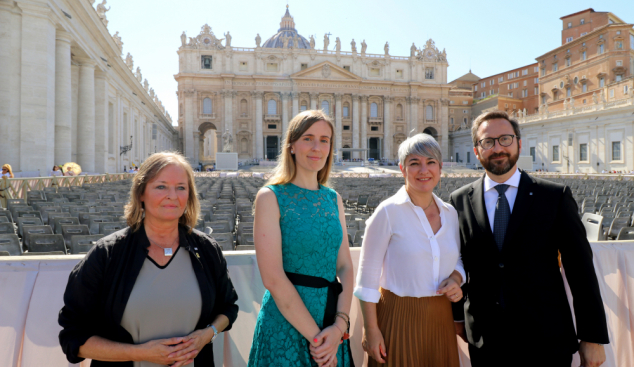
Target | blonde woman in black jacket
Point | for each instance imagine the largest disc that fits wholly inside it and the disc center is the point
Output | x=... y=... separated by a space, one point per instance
x=156 y=293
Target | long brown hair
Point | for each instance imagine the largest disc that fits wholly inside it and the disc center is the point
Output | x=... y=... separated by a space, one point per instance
x=286 y=170
x=147 y=172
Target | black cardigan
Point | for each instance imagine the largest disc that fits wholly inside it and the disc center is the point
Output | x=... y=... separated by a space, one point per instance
x=99 y=287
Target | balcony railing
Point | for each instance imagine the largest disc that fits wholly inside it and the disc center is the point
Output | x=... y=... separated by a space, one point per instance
x=375 y=120
x=207 y=116
x=599 y=106
x=272 y=117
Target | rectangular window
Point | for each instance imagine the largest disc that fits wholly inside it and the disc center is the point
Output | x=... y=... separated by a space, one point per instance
x=543 y=71
x=543 y=99
x=451 y=120
x=271 y=66
x=525 y=82
x=272 y=126
x=583 y=21
x=568 y=92
x=611 y=93
x=399 y=73
x=583 y=152
x=525 y=93
x=347 y=68
x=535 y=90
x=619 y=45
x=569 y=39
x=484 y=84
x=616 y=150
x=532 y=150
x=625 y=89
x=554 y=67
x=583 y=34
x=345 y=111
x=244 y=66
x=601 y=49
x=525 y=72
x=618 y=78
x=376 y=72
x=476 y=88
x=346 y=127
x=583 y=55
x=511 y=94
x=555 y=153
x=374 y=128
x=619 y=62
x=536 y=80
x=631 y=41
x=492 y=82
x=569 y=25
x=568 y=62
x=206 y=62
x=429 y=73
x=584 y=88
x=501 y=79
x=535 y=69
x=304 y=66
x=601 y=82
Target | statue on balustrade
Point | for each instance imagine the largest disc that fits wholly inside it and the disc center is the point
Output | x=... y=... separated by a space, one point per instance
x=227 y=39
x=565 y=104
x=602 y=95
x=386 y=48
x=595 y=100
x=151 y=93
x=412 y=50
x=101 y=12
x=138 y=74
x=338 y=44
x=146 y=85
x=364 y=47
x=353 y=46
x=117 y=40
x=129 y=62
x=258 y=40
x=228 y=142
x=183 y=39
x=326 y=42
x=572 y=103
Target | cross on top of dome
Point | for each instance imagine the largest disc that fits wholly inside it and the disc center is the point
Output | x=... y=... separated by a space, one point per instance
x=287 y=35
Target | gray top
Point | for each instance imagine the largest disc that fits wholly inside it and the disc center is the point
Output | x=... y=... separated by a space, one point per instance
x=165 y=302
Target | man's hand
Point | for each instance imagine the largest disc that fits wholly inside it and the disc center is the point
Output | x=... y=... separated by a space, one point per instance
x=460 y=331
x=592 y=355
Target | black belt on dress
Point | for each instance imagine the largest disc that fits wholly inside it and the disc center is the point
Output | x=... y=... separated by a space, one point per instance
x=334 y=289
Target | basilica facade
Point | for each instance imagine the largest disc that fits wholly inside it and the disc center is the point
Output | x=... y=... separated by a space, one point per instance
x=251 y=93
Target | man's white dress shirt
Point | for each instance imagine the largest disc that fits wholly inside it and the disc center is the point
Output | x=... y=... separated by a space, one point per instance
x=402 y=254
x=491 y=194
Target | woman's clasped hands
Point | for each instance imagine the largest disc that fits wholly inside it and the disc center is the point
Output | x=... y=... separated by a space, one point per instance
x=324 y=347
x=175 y=352
x=451 y=289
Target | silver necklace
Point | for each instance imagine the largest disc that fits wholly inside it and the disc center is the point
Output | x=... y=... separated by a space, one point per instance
x=167 y=251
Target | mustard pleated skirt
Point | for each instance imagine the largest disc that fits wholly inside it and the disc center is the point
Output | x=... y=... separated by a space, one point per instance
x=418 y=332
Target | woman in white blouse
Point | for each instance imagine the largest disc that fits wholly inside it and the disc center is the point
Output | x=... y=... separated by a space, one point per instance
x=411 y=269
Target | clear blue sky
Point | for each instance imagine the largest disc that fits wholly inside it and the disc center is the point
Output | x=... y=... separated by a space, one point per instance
x=487 y=36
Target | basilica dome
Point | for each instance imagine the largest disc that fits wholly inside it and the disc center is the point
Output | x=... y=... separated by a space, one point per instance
x=287 y=29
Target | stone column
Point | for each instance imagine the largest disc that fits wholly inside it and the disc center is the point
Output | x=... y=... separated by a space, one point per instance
x=259 y=143
x=313 y=100
x=295 y=96
x=10 y=44
x=101 y=122
x=338 y=124
x=188 y=128
x=285 y=96
x=37 y=88
x=63 y=108
x=86 y=116
x=412 y=122
x=444 y=125
x=228 y=112
x=74 y=85
x=196 y=137
x=364 y=124
x=387 y=128
x=355 y=124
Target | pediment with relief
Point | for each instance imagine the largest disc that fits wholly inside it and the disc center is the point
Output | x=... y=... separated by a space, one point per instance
x=326 y=70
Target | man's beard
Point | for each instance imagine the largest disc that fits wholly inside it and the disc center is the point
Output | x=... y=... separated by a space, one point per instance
x=500 y=167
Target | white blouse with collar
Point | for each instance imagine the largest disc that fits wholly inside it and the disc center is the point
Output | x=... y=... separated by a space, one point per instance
x=402 y=254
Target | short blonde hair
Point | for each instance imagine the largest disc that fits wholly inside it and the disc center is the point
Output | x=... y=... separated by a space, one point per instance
x=147 y=172
x=285 y=171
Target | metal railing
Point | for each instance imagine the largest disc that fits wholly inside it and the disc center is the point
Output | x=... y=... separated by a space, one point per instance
x=207 y=116
x=17 y=188
x=599 y=106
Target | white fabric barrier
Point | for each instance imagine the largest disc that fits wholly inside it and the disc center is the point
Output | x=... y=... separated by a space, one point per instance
x=268 y=163
x=31 y=291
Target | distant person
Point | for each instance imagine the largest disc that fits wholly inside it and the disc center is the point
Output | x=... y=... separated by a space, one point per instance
x=7 y=171
x=512 y=228
x=157 y=292
x=56 y=171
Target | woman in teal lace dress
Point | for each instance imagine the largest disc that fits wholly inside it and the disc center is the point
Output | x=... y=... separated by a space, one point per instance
x=302 y=251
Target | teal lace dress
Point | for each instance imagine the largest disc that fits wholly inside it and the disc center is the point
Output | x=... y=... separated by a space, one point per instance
x=311 y=237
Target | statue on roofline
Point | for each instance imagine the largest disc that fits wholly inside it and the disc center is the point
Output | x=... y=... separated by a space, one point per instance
x=364 y=47
x=353 y=46
x=258 y=39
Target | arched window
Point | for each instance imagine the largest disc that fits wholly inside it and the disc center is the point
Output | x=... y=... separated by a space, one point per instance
x=325 y=106
x=272 y=107
x=429 y=110
x=374 y=110
x=346 y=110
x=243 y=106
x=399 y=111
x=207 y=105
x=304 y=106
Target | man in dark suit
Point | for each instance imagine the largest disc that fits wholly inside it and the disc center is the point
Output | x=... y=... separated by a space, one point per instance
x=512 y=226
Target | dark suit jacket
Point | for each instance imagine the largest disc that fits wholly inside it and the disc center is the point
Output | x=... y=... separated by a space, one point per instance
x=526 y=272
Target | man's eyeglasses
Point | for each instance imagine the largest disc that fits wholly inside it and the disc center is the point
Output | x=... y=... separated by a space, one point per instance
x=504 y=140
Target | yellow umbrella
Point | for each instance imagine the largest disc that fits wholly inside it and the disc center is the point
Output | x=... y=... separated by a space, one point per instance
x=71 y=169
